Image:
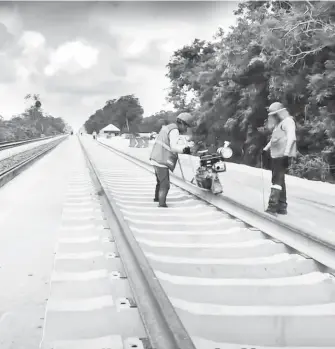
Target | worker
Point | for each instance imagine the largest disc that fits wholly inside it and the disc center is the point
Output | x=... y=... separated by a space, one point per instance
x=164 y=155
x=282 y=148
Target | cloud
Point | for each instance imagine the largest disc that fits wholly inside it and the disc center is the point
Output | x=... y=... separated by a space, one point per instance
x=72 y=57
x=91 y=70
x=149 y=54
x=5 y=37
x=77 y=55
x=85 y=86
x=31 y=40
x=7 y=71
x=10 y=17
x=29 y=55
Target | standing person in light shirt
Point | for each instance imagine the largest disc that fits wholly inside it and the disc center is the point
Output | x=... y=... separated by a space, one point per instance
x=164 y=154
x=282 y=148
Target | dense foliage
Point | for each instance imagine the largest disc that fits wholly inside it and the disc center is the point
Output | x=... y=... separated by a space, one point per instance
x=278 y=51
x=125 y=113
x=32 y=123
x=155 y=122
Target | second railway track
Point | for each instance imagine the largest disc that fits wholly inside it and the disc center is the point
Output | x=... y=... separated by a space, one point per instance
x=13 y=144
x=231 y=285
x=13 y=165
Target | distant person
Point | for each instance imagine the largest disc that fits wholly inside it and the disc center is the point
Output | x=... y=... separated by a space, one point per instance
x=282 y=148
x=164 y=154
x=94 y=135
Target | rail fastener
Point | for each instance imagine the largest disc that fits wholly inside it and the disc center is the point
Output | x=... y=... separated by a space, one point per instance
x=160 y=320
x=301 y=240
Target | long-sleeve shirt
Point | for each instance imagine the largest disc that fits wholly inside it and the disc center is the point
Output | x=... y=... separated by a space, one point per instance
x=283 y=139
x=175 y=145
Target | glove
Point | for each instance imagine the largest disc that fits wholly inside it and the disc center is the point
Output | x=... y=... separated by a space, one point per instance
x=187 y=150
x=264 y=152
x=286 y=161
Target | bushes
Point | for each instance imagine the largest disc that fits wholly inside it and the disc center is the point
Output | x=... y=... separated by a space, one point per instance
x=278 y=51
x=25 y=127
x=312 y=167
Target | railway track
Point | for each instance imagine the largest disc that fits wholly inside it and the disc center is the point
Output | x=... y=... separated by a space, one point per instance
x=11 y=144
x=206 y=278
x=17 y=167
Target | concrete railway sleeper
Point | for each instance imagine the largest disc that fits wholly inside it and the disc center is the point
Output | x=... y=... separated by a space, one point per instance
x=11 y=144
x=9 y=173
x=202 y=278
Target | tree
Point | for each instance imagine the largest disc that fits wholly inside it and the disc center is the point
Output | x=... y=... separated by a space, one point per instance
x=155 y=122
x=129 y=112
x=32 y=123
x=186 y=71
x=125 y=112
x=35 y=98
x=278 y=50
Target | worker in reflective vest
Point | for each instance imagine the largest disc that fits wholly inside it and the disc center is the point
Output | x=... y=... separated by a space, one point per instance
x=282 y=148
x=164 y=155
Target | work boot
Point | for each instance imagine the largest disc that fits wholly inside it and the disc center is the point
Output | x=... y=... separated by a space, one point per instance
x=273 y=201
x=162 y=197
x=282 y=203
x=282 y=209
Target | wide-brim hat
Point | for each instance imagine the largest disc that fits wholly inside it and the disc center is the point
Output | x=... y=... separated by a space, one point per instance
x=275 y=107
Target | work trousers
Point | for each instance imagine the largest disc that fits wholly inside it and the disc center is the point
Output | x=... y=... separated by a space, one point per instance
x=279 y=169
x=163 y=184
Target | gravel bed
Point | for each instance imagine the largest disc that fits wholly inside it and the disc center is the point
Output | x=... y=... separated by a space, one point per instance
x=14 y=160
x=6 y=153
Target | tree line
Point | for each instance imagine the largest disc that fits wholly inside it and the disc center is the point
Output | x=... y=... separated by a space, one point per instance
x=34 y=122
x=126 y=113
x=278 y=51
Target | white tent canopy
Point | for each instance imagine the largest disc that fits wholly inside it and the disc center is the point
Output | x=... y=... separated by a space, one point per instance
x=110 y=128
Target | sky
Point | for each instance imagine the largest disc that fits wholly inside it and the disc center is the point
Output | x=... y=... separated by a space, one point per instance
x=78 y=55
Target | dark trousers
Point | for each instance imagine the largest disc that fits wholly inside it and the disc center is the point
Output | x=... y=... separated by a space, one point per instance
x=163 y=184
x=279 y=169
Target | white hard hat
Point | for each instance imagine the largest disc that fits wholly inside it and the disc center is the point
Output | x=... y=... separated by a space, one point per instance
x=187 y=118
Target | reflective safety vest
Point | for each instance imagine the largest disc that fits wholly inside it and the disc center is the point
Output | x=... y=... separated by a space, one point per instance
x=279 y=139
x=161 y=151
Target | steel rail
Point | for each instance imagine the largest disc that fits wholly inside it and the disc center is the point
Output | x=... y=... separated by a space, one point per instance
x=303 y=241
x=161 y=322
x=11 y=144
x=12 y=172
